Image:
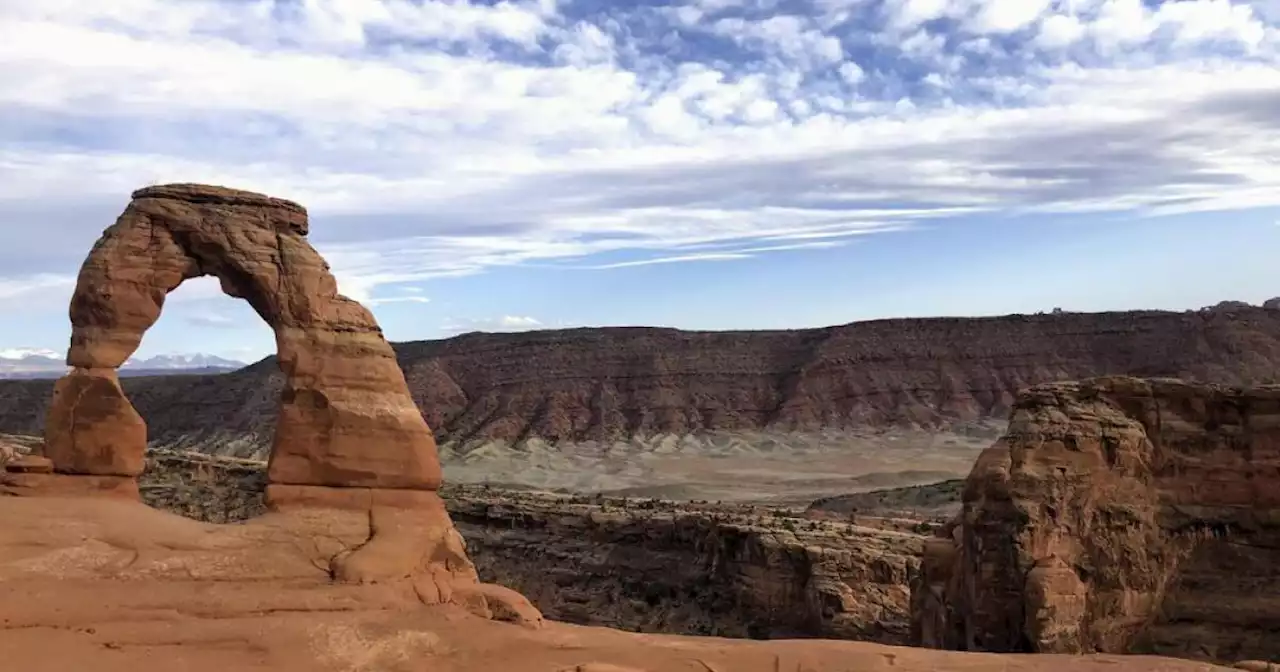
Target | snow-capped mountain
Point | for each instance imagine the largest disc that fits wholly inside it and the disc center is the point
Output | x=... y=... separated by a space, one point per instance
x=183 y=363
x=43 y=363
x=23 y=353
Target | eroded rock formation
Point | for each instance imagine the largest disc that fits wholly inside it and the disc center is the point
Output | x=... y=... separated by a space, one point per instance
x=348 y=436
x=1117 y=515
x=345 y=416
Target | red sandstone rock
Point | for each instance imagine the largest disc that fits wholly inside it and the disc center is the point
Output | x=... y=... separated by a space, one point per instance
x=27 y=464
x=345 y=416
x=352 y=455
x=91 y=427
x=1117 y=515
x=38 y=484
x=113 y=586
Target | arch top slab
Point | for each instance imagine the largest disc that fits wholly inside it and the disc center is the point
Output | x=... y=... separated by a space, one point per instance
x=346 y=417
x=207 y=193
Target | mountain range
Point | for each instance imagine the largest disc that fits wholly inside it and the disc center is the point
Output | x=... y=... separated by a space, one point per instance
x=618 y=383
x=43 y=363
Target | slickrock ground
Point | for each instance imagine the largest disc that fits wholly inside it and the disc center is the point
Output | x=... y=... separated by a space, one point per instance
x=1117 y=515
x=597 y=387
x=115 y=586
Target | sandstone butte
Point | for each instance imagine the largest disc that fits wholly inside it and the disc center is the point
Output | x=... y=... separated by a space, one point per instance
x=1117 y=515
x=356 y=566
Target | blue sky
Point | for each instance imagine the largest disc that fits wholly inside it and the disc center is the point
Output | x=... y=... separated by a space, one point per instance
x=707 y=164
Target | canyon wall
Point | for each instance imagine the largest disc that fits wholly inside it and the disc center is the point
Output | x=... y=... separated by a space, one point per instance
x=640 y=565
x=1116 y=515
x=616 y=383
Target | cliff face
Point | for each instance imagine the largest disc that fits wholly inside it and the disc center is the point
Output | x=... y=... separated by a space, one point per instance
x=1117 y=515
x=645 y=566
x=697 y=572
x=616 y=383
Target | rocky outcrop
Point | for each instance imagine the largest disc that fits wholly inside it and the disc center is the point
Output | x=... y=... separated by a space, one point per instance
x=618 y=383
x=1117 y=515
x=348 y=437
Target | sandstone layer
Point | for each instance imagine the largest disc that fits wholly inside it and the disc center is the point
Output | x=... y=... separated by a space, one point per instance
x=618 y=383
x=114 y=586
x=1117 y=515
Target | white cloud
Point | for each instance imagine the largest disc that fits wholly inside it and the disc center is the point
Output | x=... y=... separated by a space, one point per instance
x=1006 y=16
x=1122 y=23
x=792 y=37
x=26 y=287
x=213 y=320
x=506 y=323
x=907 y=14
x=852 y=73
x=493 y=135
x=1200 y=20
x=702 y=256
x=1059 y=30
x=382 y=300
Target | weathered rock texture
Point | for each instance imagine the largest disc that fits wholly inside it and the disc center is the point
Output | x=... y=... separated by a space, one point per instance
x=113 y=586
x=1117 y=515
x=934 y=501
x=349 y=440
x=640 y=565
x=345 y=416
x=697 y=572
x=617 y=383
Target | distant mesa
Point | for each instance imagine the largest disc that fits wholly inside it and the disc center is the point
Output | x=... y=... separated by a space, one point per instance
x=620 y=383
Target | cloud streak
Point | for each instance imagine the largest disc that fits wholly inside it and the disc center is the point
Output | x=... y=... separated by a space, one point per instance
x=440 y=139
x=506 y=323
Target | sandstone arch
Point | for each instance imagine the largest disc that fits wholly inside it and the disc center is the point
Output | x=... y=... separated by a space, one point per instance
x=346 y=418
x=353 y=470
